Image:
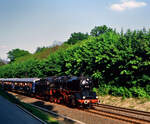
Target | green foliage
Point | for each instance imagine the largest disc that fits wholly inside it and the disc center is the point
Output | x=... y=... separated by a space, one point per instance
x=16 y=53
x=98 y=30
x=104 y=89
x=42 y=53
x=119 y=63
x=76 y=37
x=138 y=92
x=147 y=89
x=120 y=91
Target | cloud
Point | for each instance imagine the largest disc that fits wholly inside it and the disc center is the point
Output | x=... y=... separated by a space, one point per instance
x=127 y=4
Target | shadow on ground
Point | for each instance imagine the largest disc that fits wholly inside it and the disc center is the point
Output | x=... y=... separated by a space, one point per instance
x=60 y=119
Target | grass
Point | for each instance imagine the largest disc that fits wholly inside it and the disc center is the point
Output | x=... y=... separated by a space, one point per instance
x=143 y=100
x=40 y=114
x=132 y=106
x=142 y=104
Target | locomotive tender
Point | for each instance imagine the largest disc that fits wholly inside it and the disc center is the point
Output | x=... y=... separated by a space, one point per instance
x=72 y=91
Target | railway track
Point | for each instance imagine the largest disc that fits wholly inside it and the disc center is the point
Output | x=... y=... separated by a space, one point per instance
x=122 y=114
x=144 y=113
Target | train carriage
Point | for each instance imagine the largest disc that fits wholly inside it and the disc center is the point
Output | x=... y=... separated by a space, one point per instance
x=22 y=85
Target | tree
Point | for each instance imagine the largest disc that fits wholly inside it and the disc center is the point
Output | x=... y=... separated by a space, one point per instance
x=76 y=37
x=16 y=53
x=98 y=30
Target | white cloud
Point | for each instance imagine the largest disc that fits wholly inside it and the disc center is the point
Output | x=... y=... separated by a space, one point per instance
x=127 y=4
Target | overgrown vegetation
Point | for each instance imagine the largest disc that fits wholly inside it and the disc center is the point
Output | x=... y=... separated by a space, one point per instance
x=119 y=63
x=42 y=53
x=77 y=37
x=42 y=115
x=16 y=53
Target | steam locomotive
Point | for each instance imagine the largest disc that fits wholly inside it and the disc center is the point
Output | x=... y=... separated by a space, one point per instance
x=72 y=91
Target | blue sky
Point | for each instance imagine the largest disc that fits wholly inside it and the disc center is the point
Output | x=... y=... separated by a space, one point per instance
x=28 y=24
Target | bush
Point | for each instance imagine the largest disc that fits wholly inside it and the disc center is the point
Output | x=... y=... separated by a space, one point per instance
x=138 y=92
x=120 y=91
x=104 y=89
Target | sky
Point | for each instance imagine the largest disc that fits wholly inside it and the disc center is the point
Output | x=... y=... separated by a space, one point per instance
x=28 y=24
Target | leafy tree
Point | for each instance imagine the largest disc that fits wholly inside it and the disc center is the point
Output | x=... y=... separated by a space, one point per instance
x=76 y=37
x=98 y=30
x=16 y=53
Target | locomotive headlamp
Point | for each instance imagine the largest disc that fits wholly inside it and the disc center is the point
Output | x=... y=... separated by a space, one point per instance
x=96 y=97
x=83 y=82
x=83 y=97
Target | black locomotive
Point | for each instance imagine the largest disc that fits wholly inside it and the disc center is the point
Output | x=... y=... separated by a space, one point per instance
x=72 y=91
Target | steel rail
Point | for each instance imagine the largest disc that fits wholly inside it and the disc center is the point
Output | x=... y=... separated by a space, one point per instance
x=144 y=113
x=121 y=113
